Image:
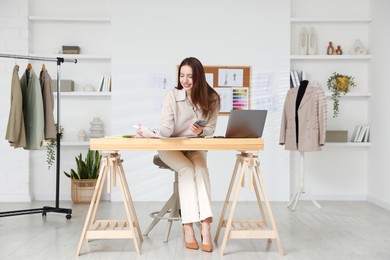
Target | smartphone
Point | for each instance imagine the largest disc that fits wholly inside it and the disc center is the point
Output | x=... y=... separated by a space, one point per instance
x=200 y=122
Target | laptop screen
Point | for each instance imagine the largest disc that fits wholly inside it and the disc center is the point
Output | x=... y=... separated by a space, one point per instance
x=246 y=123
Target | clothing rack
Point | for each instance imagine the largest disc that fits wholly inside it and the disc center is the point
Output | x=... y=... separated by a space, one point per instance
x=46 y=209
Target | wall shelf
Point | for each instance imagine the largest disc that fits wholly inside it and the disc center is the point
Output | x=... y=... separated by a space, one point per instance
x=347 y=144
x=101 y=19
x=84 y=94
x=351 y=95
x=330 y=57
x=74 y=143
x=330 y=20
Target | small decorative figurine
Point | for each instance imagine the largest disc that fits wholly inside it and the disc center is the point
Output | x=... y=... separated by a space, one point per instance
x=358 y=48
x=81 y=135
x=330 y=49
x=97 y=128
x=339 y=51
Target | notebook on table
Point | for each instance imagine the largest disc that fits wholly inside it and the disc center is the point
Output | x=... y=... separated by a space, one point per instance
x=246 y=124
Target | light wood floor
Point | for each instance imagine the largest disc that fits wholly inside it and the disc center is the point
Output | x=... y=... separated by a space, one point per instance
x=341 y=230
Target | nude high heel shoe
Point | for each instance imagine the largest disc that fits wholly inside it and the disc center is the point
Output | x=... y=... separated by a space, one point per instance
x=191 y=245
x=205 y=247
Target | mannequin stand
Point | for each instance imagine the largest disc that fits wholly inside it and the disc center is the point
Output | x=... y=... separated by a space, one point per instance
x=302 y=188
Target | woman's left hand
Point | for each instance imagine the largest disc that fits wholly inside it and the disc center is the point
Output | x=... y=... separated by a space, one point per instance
x=197 y=129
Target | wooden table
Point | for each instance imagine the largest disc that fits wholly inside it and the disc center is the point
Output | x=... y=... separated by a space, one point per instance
x=247 y=159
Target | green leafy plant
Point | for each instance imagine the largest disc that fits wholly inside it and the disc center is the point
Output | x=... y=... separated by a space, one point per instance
x=51 y=148
x=87 y=168
x=339 y=84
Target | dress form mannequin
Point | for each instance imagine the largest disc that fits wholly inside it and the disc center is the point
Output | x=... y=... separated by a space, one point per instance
x=301 y=189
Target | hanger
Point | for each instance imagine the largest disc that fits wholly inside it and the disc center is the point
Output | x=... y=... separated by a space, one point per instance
x=43 y=67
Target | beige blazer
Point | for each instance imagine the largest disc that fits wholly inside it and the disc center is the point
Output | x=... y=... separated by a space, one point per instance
x=48 y=105
x=16 y=133
x=178 y=114
x=312 y=120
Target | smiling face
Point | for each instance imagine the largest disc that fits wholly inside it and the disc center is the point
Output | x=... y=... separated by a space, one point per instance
x=186 y=77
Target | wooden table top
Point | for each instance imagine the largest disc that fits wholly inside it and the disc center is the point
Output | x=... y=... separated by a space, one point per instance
x=209 y=143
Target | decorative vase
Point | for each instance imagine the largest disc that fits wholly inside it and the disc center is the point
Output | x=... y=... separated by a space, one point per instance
x=303 y=41
x=81 y=135
x=342 y=84
x=330 y=49
x=97 y=128
x=89 y=88
x=312 y=42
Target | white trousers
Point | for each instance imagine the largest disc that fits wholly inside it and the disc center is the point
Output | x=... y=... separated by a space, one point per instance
x=194 y=183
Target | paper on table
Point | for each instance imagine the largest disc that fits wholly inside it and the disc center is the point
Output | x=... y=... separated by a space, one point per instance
x=147 y=132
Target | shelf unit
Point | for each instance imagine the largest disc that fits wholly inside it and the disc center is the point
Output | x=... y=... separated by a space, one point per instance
x=321 y=66
x=74 y=23
x=340 y=169
x=92 y=33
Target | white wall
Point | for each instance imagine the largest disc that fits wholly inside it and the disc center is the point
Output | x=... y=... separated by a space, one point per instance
x=14 y=163
x=378 y=170
x=152 y=37
x=148 y=42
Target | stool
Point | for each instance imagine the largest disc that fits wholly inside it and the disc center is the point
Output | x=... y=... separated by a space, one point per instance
x=171 y=207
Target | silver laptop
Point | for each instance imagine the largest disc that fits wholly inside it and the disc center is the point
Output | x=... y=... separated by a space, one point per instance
x=246 y=123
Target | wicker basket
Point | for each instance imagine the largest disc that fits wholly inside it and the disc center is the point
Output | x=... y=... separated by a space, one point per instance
x=82 y=190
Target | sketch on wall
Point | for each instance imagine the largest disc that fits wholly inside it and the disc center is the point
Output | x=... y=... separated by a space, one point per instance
x=231 y=77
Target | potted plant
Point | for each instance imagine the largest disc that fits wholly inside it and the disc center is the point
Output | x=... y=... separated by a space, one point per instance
x=85 y=177
x=339 y=84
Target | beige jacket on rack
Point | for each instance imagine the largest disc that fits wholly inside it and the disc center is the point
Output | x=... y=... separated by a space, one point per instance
x=16 y=133
x=48 y=104
x=312 y=118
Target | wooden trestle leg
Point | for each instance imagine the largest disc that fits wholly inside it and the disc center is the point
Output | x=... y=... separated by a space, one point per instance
x=247 y=229
x=111 y=229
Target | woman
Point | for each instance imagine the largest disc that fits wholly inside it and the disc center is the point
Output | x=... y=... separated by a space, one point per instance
x=191 y=100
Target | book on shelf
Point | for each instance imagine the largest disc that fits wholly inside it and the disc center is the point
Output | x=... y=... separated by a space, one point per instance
x=367 y=134
x=355 y=133
x=105 y=83
x=296 y=77
x=70 y=49
x=361 y=134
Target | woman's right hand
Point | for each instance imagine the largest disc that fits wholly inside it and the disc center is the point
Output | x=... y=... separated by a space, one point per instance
x=139 y=131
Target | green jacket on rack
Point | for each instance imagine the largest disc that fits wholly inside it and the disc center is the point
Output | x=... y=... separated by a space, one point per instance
x=32 y=110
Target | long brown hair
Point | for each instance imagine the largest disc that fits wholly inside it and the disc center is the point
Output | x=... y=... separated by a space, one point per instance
x=202 y=94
